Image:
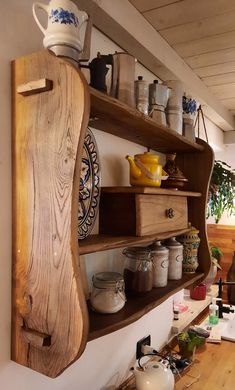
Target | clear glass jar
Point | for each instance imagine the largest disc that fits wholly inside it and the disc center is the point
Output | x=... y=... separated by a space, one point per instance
x=138 y=270
x=108 y=293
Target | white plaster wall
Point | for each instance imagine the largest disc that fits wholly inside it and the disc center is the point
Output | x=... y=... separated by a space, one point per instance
x=105 y=361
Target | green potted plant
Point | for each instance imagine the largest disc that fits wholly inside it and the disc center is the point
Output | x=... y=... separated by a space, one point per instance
x=188 y=342
x=216 y=255
x=221 y=191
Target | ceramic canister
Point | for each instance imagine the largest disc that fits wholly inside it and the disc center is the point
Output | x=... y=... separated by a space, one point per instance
x=160 y=255
x=175 y=259
x=191 y=242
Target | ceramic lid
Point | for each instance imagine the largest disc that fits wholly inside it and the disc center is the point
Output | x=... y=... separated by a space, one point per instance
x=172 y=242
x=147 y=157
x=157 y=247
x=107 y=279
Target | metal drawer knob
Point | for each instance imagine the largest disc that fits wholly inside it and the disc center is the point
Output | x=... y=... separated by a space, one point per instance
x=170 y=213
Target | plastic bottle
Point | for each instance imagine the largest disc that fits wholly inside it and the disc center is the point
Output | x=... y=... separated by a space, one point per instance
x=213 y=312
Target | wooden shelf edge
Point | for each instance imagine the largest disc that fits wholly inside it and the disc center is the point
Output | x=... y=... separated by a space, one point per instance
x=115 y=117
x=150 y=191
x=137 y=307
x=103 y=242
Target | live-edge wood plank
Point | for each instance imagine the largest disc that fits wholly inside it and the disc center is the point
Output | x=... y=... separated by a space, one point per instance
x=47 y=297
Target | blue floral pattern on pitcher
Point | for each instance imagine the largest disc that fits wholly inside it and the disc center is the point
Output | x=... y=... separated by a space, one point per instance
x=59 y=15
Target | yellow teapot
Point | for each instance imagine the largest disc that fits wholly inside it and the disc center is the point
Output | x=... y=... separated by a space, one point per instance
x=145 y=170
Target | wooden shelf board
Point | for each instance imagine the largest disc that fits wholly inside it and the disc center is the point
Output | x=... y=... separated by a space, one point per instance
x=115 y=117
x=150 y=191
x=136 y=307
x=103 y=242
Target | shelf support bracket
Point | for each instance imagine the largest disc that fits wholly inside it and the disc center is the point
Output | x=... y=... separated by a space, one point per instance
x=49 y=311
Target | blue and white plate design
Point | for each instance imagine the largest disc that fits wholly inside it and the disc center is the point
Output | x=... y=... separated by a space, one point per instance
x=59 y=15
x=89 y=192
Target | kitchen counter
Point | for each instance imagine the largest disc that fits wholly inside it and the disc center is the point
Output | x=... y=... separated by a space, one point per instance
x=216 y=366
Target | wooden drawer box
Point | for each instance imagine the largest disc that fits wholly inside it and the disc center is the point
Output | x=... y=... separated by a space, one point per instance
x=142 y=214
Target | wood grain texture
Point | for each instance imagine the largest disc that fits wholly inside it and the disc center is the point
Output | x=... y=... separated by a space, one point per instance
x=104 y=242
x=117 y=118
x=205 y=45
x=197 y=167
x=185 y=11
x=223 y=236
x=151 y=214
x=35 y=86
x=136 y=307
x=141 y=214
x=149 y=190
x=205 y=27
x=218 y=69
x=219 y=79
x=48 y=134
x=212 y=58
x=216 y=366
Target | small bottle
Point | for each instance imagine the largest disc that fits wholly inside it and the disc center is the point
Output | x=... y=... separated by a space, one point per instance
x=214 y=312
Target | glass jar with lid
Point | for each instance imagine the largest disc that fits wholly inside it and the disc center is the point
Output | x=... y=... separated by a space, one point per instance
x=138 y=269
x=108 y=293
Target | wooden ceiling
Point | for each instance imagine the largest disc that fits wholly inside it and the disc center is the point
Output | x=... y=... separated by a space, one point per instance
x=202 y=32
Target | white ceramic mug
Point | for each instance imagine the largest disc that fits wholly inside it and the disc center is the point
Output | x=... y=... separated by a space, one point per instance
x=64 y=23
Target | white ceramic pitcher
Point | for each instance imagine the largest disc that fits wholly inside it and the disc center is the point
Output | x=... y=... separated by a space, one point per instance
x=63 y=26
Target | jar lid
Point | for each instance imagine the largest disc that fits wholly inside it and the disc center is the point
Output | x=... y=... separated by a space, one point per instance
x=172 y=242
x=107 y=279
x=158 y=247
x=138 y=252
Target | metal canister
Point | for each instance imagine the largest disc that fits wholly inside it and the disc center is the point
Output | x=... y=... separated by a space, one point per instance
x=175 y=259
x=160 y=255
x=141 y=95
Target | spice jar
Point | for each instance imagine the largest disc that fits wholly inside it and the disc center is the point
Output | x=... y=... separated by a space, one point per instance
x=160 y=264
x=175 y=259
x=138 y=270
x=108 y=293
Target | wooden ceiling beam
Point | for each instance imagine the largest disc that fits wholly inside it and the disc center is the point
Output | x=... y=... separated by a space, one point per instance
x=121 y=22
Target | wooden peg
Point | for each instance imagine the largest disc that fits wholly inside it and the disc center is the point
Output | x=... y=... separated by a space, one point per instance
x=36 y=86
x=35 y=338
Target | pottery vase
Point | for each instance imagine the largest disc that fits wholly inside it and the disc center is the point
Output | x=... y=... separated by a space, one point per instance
x=191 y=242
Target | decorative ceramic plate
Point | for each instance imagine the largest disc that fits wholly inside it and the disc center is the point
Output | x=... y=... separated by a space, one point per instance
x=89 y=193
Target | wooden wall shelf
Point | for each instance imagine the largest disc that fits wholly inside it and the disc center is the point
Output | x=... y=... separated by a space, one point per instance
x=136 y=307
x=114 y=117
x=150 y=191
x=103 y=242
x=51 y=321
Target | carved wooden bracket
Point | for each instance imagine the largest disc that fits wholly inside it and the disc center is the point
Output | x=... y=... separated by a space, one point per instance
x=50 y=320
